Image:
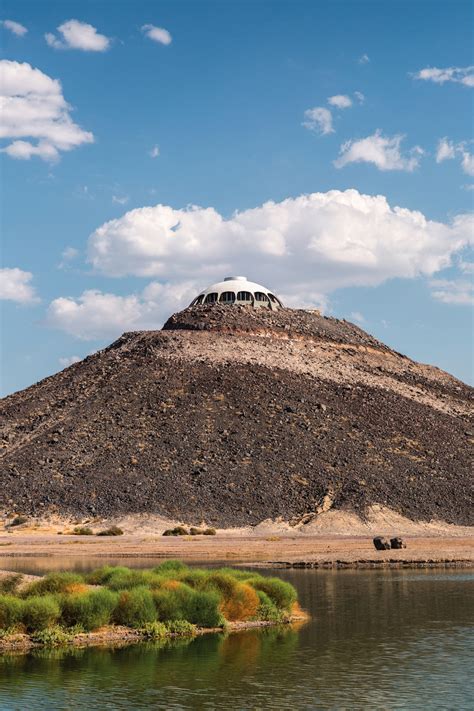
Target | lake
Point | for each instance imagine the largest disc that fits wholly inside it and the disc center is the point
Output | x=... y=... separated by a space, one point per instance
x=376 y=640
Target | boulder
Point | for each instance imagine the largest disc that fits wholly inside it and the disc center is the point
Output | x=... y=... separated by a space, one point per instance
x=381 y=543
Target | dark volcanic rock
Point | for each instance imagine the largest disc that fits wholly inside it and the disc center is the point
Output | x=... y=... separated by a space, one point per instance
x=233 y=416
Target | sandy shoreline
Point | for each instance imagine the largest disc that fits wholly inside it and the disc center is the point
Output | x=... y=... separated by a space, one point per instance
x=281 y=550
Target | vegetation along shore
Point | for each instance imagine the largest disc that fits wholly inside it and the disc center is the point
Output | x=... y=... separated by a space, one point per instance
x=118 y=604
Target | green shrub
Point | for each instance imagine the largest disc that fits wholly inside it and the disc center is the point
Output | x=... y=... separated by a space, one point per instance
x=223 y=582
x=282 y=594
x=176 y=531
x=18 y=520
x=101 y=576
x=195 y=531
x=202 y=609
x=90 y=610
x=9 y=583
x=170 y=566
x=11 y=611
x=181 y=627
x=171 y=604
x=123 y=579
x=40 y=612
x=209 y=532
x=154 y=630
x=135 y=607
x=267 y=610
x=53 y=583
x=82 y=531
x=112 y=531
x=52 y=636
x=193 y=577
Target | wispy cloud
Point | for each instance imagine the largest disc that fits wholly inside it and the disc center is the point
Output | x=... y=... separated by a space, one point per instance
x=120 y=200
x=68 y=255
x=69 y=360
x=383 y=151
x=359 y=96
x=14 y=27
x=447 y=150
x=340 y=101
x=78 y=35
x=157 y=34
x=459 y=291
x=364 y=59
x=458 y=75
x=318 y=120
x=155 y=152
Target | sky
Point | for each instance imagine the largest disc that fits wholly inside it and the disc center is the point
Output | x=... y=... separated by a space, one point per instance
x=149 y=149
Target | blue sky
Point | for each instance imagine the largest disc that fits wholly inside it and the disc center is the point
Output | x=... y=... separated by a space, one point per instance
x=240 y=108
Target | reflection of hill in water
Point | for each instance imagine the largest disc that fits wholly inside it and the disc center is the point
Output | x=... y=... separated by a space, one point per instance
x=376 y=640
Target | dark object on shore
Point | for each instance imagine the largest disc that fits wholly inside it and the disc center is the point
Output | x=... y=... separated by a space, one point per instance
x=397 y=542
x=112 y=531
x=177 y=531
x=381 y=543
x=82 y=531
x=18 y=521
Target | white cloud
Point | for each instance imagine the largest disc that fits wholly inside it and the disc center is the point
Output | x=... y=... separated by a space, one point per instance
x=68 y=255
x=15 y=286
x=69 y=360
x=155 y=152
x=359 y=96
x=364 y=59
x=357 y=317
x=78 y=35
x=319 y=120
x=95 y=315
x=458 y=75
x=32 y=106
x=459 y=292
x=329 y=240
x=157 y=34
x=341 y=101
x=382 y=151
x=120 y=200
x=15 y=27
x=445 y=150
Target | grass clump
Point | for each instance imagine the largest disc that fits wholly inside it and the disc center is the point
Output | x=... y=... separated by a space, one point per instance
x=11 y=611
x=54 y=636
x=281 y=593
x=209 y=532
x=82 y=531
x=154 y=630
x=135 y=608
x=111 y=531
x=54 y=583
x=40 y=612
x=181 y=627
x=170 y=566
x=9 y=583
x=90 y=610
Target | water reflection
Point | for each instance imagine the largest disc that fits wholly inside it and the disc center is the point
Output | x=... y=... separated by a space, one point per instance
x=376 y=640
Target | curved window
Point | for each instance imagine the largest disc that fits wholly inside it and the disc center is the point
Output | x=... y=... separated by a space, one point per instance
x=227 y=297
x=260 y=296
x=198 y=300
x=275 y=300
x=244 y=296
x=211 y=298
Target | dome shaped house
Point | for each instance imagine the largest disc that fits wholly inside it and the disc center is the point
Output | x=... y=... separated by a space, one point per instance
x=238 y=290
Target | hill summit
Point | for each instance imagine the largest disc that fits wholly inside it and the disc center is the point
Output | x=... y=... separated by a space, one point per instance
x=234 y=415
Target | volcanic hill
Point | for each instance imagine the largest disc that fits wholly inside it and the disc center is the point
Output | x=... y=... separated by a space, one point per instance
x=232 y=415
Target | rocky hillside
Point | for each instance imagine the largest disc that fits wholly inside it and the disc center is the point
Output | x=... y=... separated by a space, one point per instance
x=232 y=416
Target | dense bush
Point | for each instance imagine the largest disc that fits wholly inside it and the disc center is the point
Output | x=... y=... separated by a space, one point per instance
x=82 y=531
x=209 y=532
x=11 y=610
x=182 y=627
x=52 y=636
x=154 y=630
x=203 y=609
x=54 y=583
x=267 y=610
x=112 y=531
x=176 y=531
x=18 y=521
x=135 y=607
x=282 y=594
x=101 y=576
x=40 y=612
x=170 y=566
x=91 y=610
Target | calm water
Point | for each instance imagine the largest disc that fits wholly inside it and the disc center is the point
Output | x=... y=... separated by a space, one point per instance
x=377 y=640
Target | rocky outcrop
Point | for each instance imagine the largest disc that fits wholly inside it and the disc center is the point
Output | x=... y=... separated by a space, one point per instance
x=232 y=416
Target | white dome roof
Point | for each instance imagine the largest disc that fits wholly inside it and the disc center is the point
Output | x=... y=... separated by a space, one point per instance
x=237 y=289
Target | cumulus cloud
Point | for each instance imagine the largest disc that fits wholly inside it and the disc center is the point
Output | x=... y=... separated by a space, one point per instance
x=78 y=35
x=458 y=75
x=445 y=150
x=319 y=120
x=157 y=34
x=14 y=27
x=382 y=151
x=95 y=314
x=458 y=291
x=32 y=106
x=329 y=240
x=15 y=286
x=340 y=101
x=155 y=152
x=69 y=360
